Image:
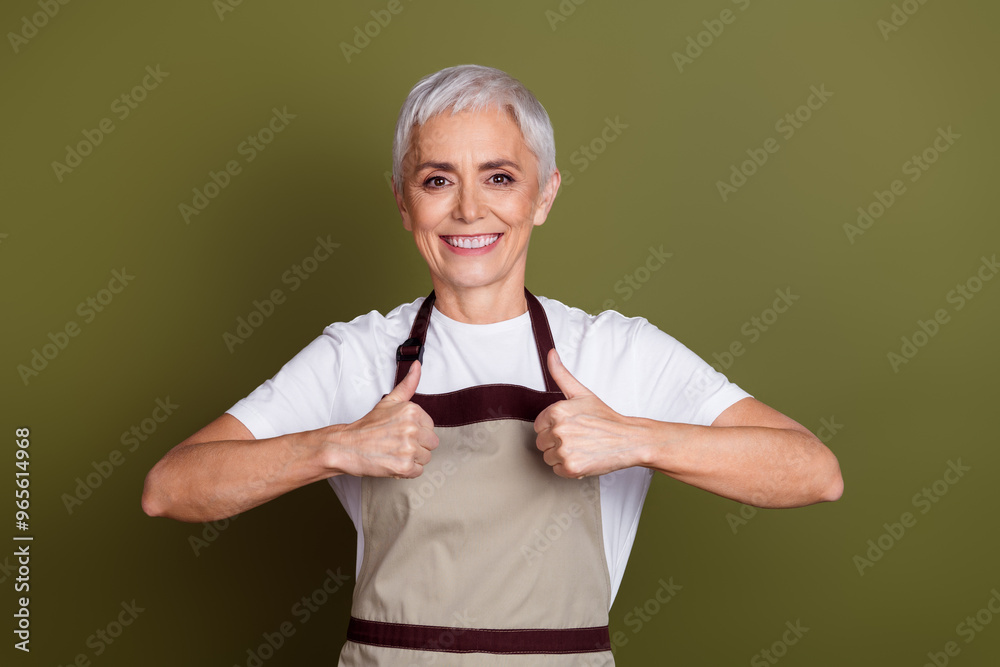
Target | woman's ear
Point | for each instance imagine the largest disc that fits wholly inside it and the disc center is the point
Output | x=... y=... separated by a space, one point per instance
x=546 y=198
x=401 y=205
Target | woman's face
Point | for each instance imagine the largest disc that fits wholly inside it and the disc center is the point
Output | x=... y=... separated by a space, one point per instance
x=470 y=197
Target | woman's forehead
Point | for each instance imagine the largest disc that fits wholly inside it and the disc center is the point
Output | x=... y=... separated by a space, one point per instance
x=468 y=133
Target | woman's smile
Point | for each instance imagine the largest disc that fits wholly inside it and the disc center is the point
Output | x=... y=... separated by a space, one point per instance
x=468 y=244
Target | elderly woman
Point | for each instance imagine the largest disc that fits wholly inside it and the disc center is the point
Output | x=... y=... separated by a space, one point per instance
x=496 y=506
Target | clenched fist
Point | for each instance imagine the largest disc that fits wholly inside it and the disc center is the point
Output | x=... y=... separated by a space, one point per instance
x=395 y=439
x=581 y=435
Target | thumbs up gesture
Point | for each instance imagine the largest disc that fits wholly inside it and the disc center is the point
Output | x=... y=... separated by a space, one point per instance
x=395 y=439
x=581 y=435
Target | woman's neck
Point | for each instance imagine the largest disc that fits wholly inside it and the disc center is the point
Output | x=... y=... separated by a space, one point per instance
x=481 y=305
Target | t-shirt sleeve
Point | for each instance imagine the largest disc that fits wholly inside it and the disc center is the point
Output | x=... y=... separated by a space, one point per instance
x=301 y=394
x=676 y=384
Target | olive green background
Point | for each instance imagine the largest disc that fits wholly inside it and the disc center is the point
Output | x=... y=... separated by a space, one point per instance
x=654 y=185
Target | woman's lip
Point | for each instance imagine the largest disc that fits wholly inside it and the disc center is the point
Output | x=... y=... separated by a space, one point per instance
x=470 y=251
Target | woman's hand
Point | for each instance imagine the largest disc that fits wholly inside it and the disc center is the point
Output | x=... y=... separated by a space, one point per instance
x=581 y=435
x=395 y=439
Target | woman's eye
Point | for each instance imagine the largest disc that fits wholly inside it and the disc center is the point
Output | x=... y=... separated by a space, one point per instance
x=501 y=179
x=436 y=181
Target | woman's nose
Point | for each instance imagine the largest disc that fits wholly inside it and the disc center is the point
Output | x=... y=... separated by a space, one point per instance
x=469 y=207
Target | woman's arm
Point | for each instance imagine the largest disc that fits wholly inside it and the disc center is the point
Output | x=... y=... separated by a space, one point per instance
x=222 y=470
x=751 y=453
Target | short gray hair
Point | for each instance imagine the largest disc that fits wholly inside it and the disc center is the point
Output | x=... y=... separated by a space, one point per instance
x=475 y=87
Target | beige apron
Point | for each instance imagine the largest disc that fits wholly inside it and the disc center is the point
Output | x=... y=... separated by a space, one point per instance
x=488 y=558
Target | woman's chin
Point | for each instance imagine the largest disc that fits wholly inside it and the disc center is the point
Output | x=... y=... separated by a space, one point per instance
x=468 y=281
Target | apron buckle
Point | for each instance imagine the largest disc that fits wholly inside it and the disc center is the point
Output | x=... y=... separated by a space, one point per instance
x=410 y=350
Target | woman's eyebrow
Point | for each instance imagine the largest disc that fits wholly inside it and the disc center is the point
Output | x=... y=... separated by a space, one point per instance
x=444 y=166
x=496 y=164
x=485 y=166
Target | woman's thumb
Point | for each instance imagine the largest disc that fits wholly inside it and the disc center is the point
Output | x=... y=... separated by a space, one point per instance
x=407 y=387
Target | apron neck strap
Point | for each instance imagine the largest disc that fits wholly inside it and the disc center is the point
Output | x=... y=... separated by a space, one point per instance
x=412 y=348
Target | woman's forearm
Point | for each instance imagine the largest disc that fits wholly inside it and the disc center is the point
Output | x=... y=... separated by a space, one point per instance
x=213 y=480
x=756 y=465
x=218 y=476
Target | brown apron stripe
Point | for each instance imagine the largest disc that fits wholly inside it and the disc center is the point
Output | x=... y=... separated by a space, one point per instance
x=486 y=402
x=473 y=640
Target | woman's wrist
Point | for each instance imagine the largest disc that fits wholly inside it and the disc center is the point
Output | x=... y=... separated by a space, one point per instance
x=328 y=447
x=655 y=442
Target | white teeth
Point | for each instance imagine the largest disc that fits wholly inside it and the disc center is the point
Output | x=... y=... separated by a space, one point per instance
x=473 y=242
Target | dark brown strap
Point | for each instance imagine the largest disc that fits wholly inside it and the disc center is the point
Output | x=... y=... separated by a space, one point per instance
x=469 y=640
x=543 y=337
x=412 y=348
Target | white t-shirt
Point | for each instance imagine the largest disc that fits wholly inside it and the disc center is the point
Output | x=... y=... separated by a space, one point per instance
x=632 y=366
